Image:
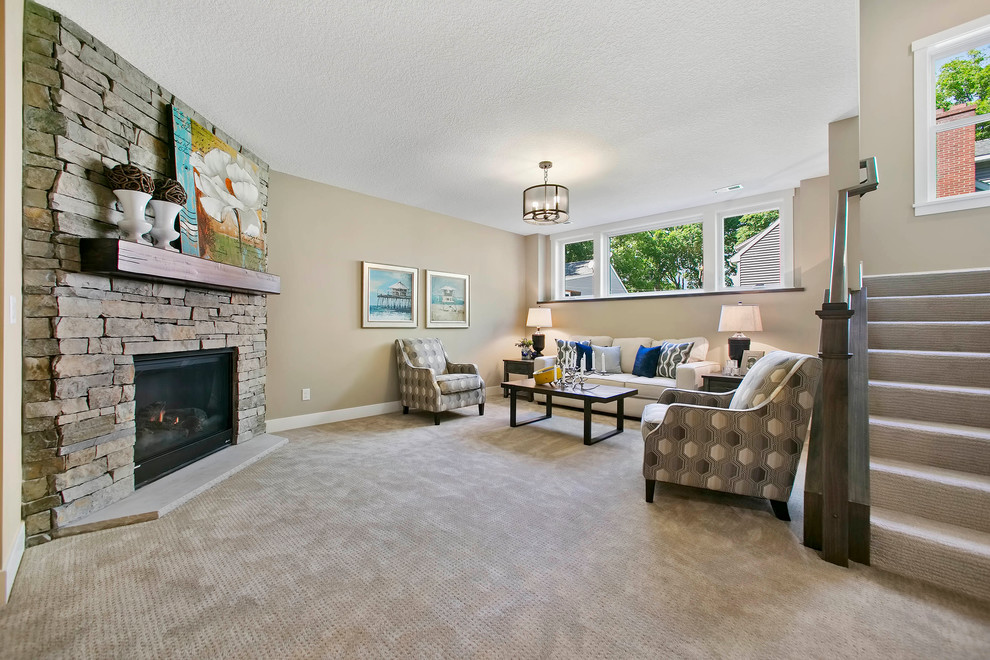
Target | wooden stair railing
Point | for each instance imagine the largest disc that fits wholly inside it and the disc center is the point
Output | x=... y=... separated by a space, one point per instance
x=837 y=489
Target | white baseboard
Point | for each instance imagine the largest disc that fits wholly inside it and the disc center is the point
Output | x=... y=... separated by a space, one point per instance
x=10 y=570
x=329 y=416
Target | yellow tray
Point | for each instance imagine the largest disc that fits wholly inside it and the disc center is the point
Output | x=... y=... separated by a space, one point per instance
x=544 y=376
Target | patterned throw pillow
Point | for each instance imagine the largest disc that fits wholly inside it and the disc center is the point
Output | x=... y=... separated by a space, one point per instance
x=567 y=353
x=646 y=361
x=672 y=355
x=607 y=359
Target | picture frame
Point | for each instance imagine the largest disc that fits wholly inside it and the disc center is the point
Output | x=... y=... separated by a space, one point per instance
x=388 y=296
x=447 y=300
x=748 y=359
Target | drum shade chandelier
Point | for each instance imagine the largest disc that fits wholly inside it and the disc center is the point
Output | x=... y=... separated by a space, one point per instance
x=546 y=204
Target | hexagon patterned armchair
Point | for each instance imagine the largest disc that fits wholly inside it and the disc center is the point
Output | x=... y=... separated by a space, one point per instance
x=428 y=380
x=747 y=441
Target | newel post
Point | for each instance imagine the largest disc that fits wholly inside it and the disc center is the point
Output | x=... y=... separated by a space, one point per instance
x=835 y=431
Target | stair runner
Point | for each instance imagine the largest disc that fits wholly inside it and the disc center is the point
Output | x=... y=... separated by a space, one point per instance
x=929 y=342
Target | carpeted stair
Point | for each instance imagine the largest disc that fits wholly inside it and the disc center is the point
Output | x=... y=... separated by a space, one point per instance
x=929 y=339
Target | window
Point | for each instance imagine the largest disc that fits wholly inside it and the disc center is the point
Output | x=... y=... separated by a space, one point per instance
x=663 y=259
x=579 y=269
x=740 y=244
x=751 y=249
x=952 y=119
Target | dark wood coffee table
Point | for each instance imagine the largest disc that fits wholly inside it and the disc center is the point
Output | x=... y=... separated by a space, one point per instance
x=594 y=394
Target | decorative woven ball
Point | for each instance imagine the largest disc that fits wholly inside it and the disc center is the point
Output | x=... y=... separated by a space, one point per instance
x=130 y=177
x=170 y=190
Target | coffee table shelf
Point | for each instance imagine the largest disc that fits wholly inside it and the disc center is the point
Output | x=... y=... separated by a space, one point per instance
x=599 y=394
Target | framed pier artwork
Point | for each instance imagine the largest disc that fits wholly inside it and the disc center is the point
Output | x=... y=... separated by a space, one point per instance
x=389 y=295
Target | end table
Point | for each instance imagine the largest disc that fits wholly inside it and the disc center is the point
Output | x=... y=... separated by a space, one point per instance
x=719 y=382
x=517 y=366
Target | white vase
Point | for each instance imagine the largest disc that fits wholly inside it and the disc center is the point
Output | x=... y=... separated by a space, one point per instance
x=135 y=224
x=164 y=232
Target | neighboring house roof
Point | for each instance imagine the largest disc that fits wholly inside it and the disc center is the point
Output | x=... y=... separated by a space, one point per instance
x=982 y=147
x=578 y=278
x=743 y=247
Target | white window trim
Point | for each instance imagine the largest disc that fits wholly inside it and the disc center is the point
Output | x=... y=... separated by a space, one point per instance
x=960 y=38
x=710 y=217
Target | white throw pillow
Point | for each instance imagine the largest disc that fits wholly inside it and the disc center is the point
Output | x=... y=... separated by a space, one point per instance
x=606 y=359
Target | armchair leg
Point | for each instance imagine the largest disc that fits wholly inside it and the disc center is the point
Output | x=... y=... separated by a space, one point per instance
x=780 y=510
x=436 y=419
x=650 y=487
x=405 y=410
x=481 y=409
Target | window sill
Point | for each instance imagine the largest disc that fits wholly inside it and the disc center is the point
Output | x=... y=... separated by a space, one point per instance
x=673 y=294
x=955 y=203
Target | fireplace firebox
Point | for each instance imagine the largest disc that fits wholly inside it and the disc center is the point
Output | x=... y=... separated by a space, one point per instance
x=184 y=410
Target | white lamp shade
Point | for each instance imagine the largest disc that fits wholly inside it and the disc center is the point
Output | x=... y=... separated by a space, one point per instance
x=740 y=318
x=539 y=317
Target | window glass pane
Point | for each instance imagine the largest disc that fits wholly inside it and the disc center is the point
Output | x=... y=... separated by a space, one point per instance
x=579 y=269
x=963 y=79
x=667 y=259
x=752 y=249
x=962 y=160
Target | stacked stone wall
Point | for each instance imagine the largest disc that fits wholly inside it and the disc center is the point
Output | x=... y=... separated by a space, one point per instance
x=87 y=109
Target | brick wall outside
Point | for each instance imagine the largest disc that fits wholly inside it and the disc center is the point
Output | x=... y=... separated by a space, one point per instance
x=87 y=109
x=955 y=153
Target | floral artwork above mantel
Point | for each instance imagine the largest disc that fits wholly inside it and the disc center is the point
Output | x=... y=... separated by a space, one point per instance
x=222 y=221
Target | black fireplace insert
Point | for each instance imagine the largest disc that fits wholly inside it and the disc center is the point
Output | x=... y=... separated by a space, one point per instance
x=184 y=409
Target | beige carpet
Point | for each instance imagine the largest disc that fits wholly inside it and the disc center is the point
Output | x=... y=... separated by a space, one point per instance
x=389 y=537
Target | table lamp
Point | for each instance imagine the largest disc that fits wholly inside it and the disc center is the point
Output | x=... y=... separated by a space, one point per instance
x=539 y=317
x=739 y=319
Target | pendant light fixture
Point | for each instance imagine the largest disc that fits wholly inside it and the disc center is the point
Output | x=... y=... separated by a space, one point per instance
x=546 y=204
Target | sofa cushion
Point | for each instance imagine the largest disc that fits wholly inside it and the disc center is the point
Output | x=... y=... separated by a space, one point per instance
x=649 y=388
x=453 y=383
x=615 y=380
x=672 y=355
x=605 y=359
x=629 y=347
x=646 y=361
x=601 y=340
x=698 y=354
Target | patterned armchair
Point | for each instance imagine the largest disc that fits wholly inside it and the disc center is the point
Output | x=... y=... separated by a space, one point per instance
x=428 y=380
x=747 y=441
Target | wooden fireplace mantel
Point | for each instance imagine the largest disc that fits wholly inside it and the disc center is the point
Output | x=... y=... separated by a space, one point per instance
x=110 y=256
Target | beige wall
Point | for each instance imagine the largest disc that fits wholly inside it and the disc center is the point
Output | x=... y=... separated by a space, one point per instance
x=789 y=319
x=10 y=227
x=894 y=240
x=318 y=236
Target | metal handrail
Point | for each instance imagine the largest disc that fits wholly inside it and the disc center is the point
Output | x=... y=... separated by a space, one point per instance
x=838 y=291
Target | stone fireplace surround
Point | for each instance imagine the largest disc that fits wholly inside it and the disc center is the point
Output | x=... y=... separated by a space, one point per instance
x=87 y=109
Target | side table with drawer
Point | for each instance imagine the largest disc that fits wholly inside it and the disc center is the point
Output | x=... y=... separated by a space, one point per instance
x=719 y=382
x=519 y=367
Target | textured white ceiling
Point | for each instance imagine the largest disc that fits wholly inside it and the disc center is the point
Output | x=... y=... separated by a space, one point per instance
x=643 y=106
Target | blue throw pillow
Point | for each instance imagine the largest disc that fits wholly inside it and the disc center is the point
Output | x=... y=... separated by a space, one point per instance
x=583 y=351
x=646 y=361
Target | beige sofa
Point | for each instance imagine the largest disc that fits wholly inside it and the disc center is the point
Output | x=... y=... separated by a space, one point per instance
x=688 y=374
